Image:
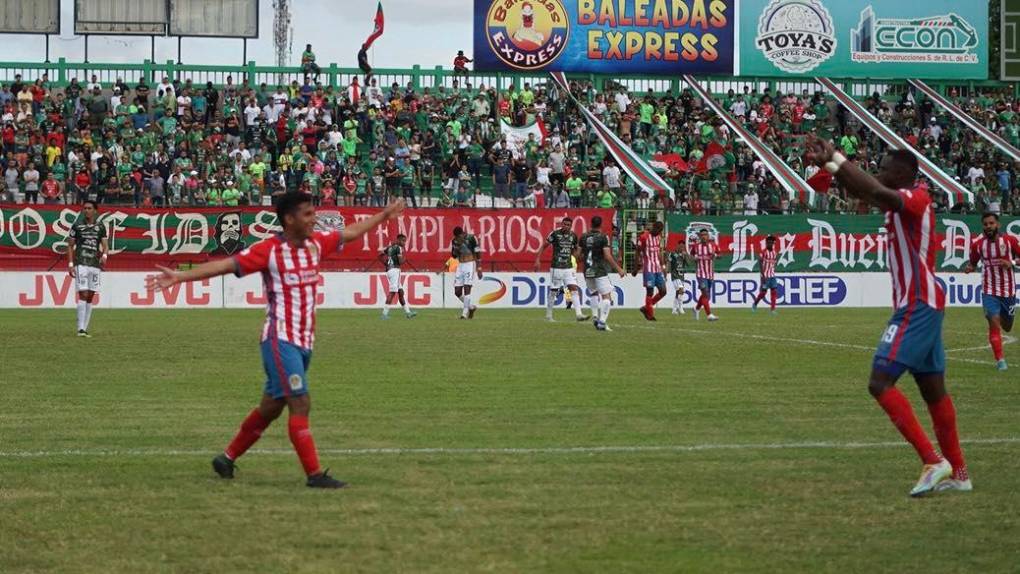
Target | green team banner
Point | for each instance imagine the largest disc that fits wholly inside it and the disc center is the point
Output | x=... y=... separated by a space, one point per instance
x=824 y=243
x=936 y=39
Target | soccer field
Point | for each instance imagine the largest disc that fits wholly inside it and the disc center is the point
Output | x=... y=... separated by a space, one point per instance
x=502 y=444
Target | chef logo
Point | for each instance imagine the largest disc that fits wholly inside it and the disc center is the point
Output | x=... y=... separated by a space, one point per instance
x=529 y=34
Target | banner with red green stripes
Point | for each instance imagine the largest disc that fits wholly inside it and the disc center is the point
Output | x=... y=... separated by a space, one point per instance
x=955 y=192
x=989 y=136
x=631 y=163
x=791 y=181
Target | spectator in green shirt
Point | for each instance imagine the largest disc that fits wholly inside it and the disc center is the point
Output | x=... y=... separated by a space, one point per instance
x=308 y=65
x=575 y=186
x=605 y=198
x=230 y=196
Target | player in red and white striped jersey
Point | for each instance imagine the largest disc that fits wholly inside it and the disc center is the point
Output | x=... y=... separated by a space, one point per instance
x=912 y=341
x=705 y=253
x=649 y=250
x=769 y=283
x=998 y=255
x=289 y=264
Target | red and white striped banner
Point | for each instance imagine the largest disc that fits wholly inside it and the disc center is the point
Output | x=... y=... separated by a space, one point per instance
x=955 y=191
x=792 y=182
x=968 y=120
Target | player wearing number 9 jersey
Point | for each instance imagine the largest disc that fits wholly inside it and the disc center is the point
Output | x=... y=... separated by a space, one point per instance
x=289 y=265
x=912 y=341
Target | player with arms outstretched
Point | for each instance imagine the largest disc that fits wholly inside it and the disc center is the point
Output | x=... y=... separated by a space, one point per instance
x=565 y=247
x=598 y=262
x=679 y=259
x=649 y=250
x=769 y=283
x=289 y=264
x=912 y=341
x=86 y=256
x=393 y=257
x=465 y=249
x=998 y=254
x=705 y=253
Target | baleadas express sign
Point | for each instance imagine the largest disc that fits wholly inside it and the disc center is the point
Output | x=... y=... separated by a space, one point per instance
x=825 y=243
x=508 y=236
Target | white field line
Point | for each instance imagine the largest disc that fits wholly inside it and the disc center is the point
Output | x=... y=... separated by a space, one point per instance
x=811 y=342
x=507 y=451
x=1006 y=340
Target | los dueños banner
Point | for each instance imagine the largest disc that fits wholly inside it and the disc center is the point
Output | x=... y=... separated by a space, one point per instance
x=605 y=36
x=35 y=236
x=824 y=243
x=934 y=39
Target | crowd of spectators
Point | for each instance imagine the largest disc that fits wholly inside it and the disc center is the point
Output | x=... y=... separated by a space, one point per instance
x=181 y=143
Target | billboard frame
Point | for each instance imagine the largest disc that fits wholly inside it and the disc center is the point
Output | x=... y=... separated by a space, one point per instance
x=258 y=21
x=56 y=3
x=1015 y=37
x=166 y=26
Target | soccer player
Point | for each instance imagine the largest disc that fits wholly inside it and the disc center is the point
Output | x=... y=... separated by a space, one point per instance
x=393 y=256
x=86 y=255
x=649 y=253
x=769 y=283
x=289 y=265
x=912 y=342
x=998 y=254
x=465 y=249
x=705 y=253
x=565 y=247
x=598 y=261
x=678 y=261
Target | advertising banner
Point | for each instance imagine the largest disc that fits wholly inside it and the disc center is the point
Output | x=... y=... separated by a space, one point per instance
x=937 y=39
x=606 y=36
x=824 y=243
x=149 y=236
x=126 y=290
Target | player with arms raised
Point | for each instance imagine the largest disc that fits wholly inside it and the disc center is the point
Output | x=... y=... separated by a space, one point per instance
x=912 y=342
x=464 y=248
x=598 y=261
x=393 y=257
x=705 y=253
x=86 y=255
x=769 y=283
x=565 y=247
x=649 y=250
x=678 y=261
x=998 y=255
x=289 y=264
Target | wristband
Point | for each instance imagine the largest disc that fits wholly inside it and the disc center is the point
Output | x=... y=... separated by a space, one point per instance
x=835 y=163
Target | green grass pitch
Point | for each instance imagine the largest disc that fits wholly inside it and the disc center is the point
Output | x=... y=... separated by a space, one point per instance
x=502 y=444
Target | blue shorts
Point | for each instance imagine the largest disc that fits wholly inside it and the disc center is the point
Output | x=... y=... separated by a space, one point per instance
x=1004 y=307
x=705 y=285
x=912 y=342
x=286 y=368
x=655 y=280
x=770 y=283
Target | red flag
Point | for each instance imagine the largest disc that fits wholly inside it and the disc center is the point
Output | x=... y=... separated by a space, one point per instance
x=714 y=158
x=671 y=161
x=820 y=181
x=378 y=31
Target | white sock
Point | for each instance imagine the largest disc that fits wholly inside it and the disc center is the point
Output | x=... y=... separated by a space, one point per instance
x=604 y=306
x=386 y=309
x=467 y=305
x=88 y=315
x=593 y=303
x=81 y=315
x=577 y=306
x=407 y=308
x=550 y=299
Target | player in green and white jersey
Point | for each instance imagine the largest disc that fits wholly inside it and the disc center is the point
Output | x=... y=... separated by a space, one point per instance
x=393 y=257
x=598 y=263
x=86 y=255
x=465 y=249
x=565 y=246
x=679 y=259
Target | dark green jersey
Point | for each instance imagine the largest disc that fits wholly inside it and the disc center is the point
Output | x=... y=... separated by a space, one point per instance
x=592 y=245
x=563 y=244
x=678 y=263
x=394 y=256
x=464 y=246
x=87 y=239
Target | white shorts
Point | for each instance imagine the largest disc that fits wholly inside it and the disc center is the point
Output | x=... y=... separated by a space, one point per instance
x=393 y=278
x=679 y=285
x=600 y=285
x=87 y=278
x=465 y=274
x=560 y=278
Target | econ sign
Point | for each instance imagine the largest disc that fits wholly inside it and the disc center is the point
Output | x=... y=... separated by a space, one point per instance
x=606 y=36
x=939 y=39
